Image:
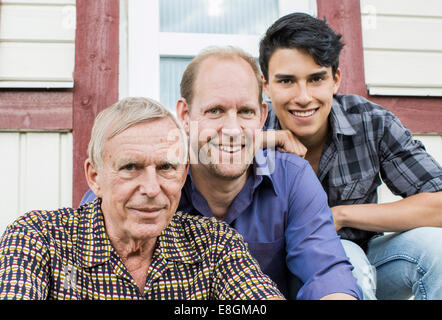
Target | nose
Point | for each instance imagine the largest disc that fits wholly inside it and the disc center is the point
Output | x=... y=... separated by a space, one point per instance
x=149 y=184
x=302 y=95
x=231 y=126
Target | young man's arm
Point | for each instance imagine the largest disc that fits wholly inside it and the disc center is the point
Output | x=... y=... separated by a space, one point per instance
x=409 y=171
x=420 y=210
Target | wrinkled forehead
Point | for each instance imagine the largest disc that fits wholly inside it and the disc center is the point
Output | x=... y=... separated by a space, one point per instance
x=156 y=138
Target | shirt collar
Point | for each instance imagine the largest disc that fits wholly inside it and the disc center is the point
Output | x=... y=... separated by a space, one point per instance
x=93 y=246
x=263 y=167
x=339 y=121
x=174 y=242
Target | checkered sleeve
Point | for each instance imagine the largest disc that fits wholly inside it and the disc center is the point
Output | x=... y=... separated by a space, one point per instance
x=24 y=261
x=237 y=274
x=406 y=167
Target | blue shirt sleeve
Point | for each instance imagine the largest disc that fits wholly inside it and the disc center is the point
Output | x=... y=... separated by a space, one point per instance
x=88 y=197
x=314 y=250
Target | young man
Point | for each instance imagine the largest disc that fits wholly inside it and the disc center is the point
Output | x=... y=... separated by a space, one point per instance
x=351 y=143
x=130 y=243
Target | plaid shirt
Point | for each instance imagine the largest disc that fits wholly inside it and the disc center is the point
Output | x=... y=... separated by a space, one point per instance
x=367 y=143
x=66 y=254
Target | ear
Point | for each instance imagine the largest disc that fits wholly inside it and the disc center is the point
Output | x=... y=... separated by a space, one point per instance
x=337 y=81
x=92 y=177
x=264 y=112
x=186 y=170
x=265 y=86
x=182 y=112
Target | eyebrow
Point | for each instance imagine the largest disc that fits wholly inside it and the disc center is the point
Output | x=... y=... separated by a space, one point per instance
x=284 y=76
x=291 y=76
x=125 y=161
x=318 y=74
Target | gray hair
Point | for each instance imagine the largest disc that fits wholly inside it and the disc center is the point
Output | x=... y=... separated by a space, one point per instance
x=123 y=114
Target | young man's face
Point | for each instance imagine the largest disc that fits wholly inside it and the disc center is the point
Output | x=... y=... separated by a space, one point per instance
x=301 y=92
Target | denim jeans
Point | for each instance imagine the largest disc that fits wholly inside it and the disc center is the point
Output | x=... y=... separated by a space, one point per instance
x=400 y=265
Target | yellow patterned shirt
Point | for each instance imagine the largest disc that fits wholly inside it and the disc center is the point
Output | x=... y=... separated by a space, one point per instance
x=66 y=254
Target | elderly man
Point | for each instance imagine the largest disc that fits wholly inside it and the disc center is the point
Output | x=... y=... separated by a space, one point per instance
x=129 y=243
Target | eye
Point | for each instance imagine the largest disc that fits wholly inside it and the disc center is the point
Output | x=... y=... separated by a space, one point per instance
x=214 y=111
x=247 y=112
x=166 y=167
x=317 y=79
x=129 y=167
x=285 y=81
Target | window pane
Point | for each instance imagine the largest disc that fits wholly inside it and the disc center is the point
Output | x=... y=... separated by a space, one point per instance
x=251 y=17
x=171 y=71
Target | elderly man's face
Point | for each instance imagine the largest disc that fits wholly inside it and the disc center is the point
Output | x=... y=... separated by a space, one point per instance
x=140 y=180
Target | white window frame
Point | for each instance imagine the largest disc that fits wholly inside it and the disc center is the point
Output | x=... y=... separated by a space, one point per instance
x=142 y=44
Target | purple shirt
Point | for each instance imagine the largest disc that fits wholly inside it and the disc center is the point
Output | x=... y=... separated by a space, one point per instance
x=283 y=215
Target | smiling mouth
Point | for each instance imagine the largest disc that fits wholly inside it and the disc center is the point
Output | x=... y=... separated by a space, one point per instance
x=303 y=114
x=148 y=210
x=228 y=148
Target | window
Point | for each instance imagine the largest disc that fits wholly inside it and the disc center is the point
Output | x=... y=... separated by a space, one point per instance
x=160 y=37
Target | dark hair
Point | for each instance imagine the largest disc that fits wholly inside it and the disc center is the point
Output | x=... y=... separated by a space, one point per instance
x=303 y=32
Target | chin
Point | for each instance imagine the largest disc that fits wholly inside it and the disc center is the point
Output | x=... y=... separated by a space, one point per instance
x=228 y=172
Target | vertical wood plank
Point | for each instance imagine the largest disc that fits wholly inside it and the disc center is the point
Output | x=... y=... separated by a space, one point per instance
x=95 y=76
x=66 y=161
x=344 y=16
x=40 y=172
x=9 y=162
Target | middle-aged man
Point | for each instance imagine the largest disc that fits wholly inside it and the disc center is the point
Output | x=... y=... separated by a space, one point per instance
x=273 y=199
x=350 y=143
x=130 y=243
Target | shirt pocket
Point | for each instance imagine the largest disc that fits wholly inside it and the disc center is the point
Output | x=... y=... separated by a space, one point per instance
x=271 y=259
x=359 y=190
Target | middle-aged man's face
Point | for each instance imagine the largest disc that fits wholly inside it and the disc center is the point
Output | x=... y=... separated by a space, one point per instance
x=140 y=181
x=224 y=116
x=301 y=92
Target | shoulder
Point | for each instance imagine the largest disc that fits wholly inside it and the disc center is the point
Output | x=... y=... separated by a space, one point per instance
x=366 y=118
x=354 y=106
x=281 y=161
x=200 y=226
x=43 y=224
x=203 y=233
x=288 y=167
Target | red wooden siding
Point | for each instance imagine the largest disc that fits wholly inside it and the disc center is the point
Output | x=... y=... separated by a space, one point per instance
x=36 y=109
x=95 y=76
